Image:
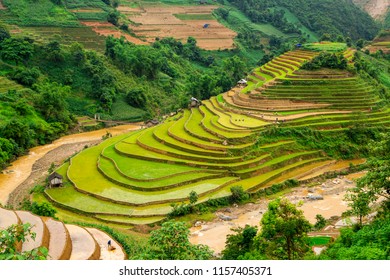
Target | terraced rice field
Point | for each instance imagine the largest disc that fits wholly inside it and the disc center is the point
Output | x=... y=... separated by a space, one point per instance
x=135 y=178
x=67 y=35
x=180 y=22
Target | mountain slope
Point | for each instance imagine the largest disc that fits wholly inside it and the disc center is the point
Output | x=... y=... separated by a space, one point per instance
x=375 y=8
x=334 y=17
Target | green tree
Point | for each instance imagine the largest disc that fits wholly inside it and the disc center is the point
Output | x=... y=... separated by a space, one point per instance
x=113 y=17
x=320 y=222
x=238 y=194
x=284 y=231
x=360 y=43
x=136 y=97
x=359 y=202
x=12 y=236
x=54 y=52
x=78 y=54
x=375 y=184
x=4 y=33
x=239 y=244
x=43 y=209
x=170 y=242
x=26 y=76
x=371 y=242
x=16 y=50
x=51 y=102
x=193 y=197
x=18 y=131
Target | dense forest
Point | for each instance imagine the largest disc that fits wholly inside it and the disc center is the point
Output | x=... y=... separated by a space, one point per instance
x=319 y=16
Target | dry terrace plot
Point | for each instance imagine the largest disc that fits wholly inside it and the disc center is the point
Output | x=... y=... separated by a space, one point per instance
x=181 y=23
x=2 y=6
x=107 y=29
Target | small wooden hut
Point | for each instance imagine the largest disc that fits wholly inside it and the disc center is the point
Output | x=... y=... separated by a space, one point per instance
x=55 y=180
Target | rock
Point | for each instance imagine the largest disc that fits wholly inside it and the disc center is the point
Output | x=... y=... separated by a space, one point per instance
x=198 y=224
x=225 y=218
x=315 y=197
x=318 y=250
x=227 y=210
x=346 y=222
x=225 y=143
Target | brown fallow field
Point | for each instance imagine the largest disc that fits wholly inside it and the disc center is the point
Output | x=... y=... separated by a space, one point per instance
x=161 y=22
x=107 y=29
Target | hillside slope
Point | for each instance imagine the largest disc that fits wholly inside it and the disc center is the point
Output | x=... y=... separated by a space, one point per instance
x=375 y=8
x=333 y=17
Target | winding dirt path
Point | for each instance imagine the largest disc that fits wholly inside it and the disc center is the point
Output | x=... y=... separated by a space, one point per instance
x=17 y=179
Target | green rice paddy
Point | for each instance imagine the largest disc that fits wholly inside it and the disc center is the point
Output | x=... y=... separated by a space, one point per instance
x=135 y=178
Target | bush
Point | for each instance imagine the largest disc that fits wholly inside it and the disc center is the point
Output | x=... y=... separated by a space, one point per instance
x=43 y=209
x=238 y=194
x=38 y=189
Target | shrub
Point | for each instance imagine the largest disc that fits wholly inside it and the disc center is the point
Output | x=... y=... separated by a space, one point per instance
x=43 y=209
x=238 y=194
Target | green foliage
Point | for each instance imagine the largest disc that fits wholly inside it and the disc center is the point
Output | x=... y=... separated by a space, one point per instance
x=16 y=50
x=51 y=102
x=44 y=13
x=331 y=16
x=368 y=243
x=113 y=17
x=375 y=184
x=326 y=60
x=38 y=189
x=170 y=242
x=284 y=231
x=193 y=197
x=13 y=235
x=136 y=97
x=26 y=76
x=238 y=194
x=4 y=33
x=43 y=209
x=359 y=203
x=320 y=222
x=240 y=243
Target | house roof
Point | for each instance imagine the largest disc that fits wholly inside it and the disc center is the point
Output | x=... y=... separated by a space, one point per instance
x=55 y=175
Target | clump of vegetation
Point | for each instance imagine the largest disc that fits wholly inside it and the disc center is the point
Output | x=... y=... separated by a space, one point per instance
x=15 y=234
x=326 y=60
x=171 y=242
